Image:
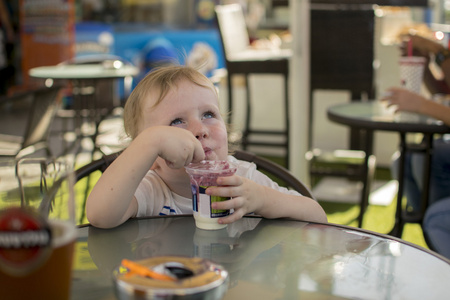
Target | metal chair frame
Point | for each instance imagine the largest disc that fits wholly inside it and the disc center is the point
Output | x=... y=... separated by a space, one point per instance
x=41 y=114
x=269 y=167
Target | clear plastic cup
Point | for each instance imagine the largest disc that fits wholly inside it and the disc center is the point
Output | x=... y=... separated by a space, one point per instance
x=203 y=175
x=37 y=228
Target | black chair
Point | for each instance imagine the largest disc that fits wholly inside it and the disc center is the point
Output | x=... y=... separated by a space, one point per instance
x=87 y=170
x=240 y=59
x=37 y=108
x=273 y=170
x=100 y=164
x=347 y=65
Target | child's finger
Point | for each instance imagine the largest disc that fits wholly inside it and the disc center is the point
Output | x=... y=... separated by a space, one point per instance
x=236 y=215
x=199 y=153
x=232 y=203
x=230 y=180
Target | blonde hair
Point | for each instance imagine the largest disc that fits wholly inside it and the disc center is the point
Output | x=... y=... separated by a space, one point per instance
x=162 y=79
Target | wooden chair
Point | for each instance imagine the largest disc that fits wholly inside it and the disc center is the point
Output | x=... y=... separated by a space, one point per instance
x=241 y=59
x=37 y=108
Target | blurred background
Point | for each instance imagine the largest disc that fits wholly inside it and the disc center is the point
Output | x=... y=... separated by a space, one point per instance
x=353 y=50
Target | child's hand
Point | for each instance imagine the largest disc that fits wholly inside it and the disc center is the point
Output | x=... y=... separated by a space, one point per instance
x=178 y=147
x=247 y=196
x=243 y=193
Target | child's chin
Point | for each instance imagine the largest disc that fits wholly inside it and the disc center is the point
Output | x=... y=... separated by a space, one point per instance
x=210 y=155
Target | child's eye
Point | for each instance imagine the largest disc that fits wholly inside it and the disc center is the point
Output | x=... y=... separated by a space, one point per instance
x=176 y=122
x=209 y=115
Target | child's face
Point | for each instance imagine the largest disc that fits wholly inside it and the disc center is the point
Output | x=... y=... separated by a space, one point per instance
x=193 y=108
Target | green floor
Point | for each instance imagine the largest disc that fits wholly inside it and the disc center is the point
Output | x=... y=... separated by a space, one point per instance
x=377 y=218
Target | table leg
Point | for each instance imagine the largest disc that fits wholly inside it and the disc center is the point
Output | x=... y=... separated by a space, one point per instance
x=230 y=99
x=248 y=115
x=428 y=139
x=417 y=217
x=287 y=119
x=366 y=171
x=398 y=223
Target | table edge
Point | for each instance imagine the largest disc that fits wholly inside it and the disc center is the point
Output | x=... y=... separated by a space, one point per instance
x=346 y=227
x=403 y=127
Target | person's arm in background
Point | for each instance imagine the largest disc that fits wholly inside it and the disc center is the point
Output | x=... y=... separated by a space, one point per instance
x=412 y=102
x=406 y=100
x=428 y=48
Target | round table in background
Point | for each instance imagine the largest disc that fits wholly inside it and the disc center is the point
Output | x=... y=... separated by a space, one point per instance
x=94 y=90
x=373 y=115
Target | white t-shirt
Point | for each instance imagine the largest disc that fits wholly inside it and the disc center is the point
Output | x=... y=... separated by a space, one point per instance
x=169 y=203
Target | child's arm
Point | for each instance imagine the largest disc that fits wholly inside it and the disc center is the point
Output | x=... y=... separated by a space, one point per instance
x=249 y=196
x=112 y=200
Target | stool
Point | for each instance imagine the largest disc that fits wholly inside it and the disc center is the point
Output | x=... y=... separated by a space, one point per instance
x=240 y=59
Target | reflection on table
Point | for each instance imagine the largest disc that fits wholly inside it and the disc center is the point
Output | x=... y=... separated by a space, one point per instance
x=268 y=259
x=374 y=115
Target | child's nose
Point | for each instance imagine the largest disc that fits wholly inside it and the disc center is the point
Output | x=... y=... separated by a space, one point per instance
x=200 y=136
x=199 y=130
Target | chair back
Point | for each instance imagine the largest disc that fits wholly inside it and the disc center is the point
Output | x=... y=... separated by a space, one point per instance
x=100 y=164
x=41 y=116
x=37 y=110
x=232 y=28
x=263 y=164
x=86 y=171
x=275 y=171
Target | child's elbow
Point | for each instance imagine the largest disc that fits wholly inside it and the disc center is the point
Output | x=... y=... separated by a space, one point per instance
x=321 y=216
x=95 y=219
x=98 y=217
x=100 y=220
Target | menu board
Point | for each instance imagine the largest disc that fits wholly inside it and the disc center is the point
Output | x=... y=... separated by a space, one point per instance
x=47 y=30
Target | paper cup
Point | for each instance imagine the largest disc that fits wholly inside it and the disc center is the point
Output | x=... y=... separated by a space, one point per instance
x=411 y=72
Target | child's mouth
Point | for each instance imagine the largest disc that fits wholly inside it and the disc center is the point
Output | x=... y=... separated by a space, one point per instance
x=207 y=151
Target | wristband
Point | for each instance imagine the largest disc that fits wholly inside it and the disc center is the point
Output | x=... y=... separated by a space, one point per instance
x=441 y=56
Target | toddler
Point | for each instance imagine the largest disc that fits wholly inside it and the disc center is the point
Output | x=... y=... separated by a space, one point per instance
x=173 y=119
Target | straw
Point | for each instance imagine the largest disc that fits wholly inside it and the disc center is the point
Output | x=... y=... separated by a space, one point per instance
x=141 y=270
x=410 y=47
